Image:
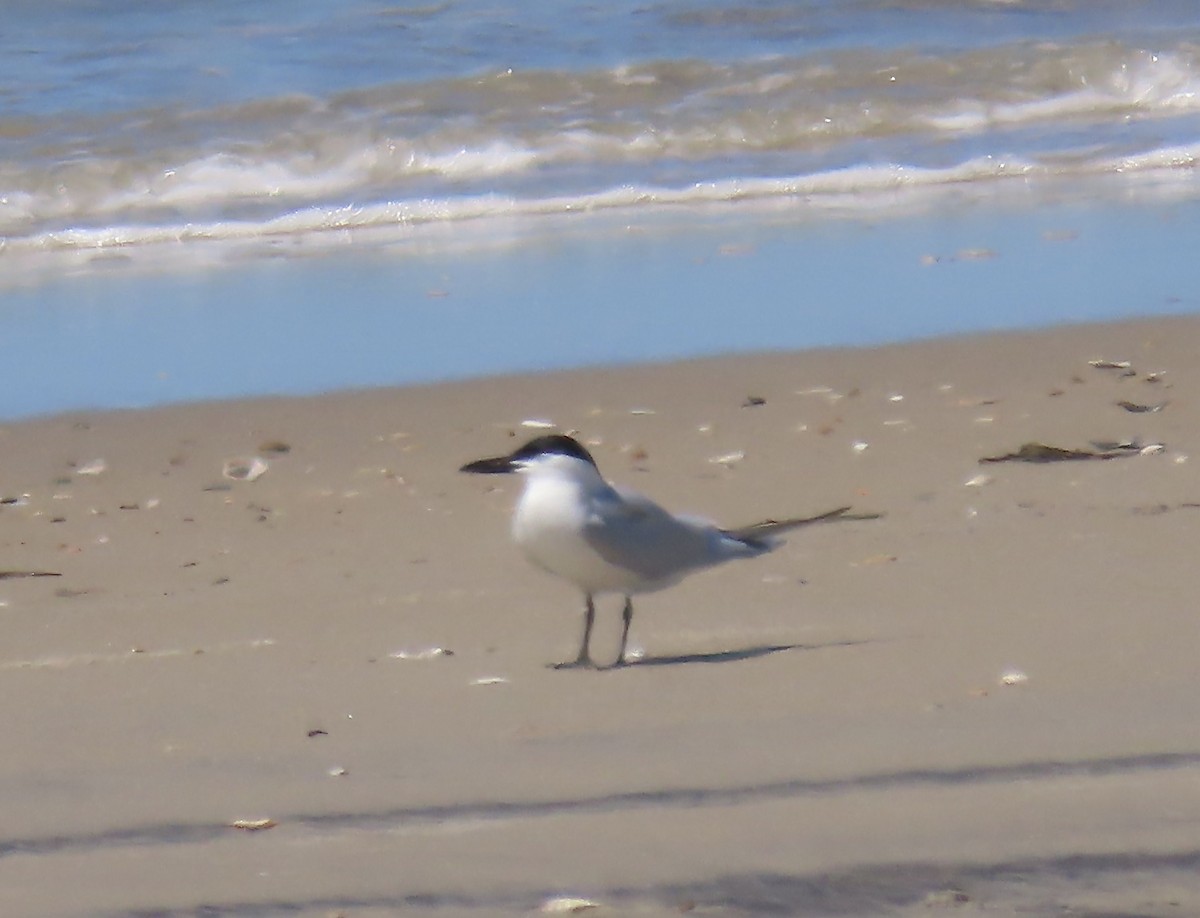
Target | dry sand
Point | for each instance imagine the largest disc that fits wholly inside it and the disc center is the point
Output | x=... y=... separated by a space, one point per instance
x=821 y=731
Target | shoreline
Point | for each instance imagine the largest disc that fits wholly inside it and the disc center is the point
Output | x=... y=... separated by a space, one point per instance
x=601 y=292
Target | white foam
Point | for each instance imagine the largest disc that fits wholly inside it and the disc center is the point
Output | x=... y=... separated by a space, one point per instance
x=867 y=187
x=496 y=158
x=1146 y=85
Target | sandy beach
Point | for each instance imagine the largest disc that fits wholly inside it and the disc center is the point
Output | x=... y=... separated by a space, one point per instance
x=983 y=702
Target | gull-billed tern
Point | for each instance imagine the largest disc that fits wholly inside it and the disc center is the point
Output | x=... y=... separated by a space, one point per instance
x=606 y=539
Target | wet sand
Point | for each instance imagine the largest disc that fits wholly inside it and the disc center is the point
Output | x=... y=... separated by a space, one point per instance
x=826 y=730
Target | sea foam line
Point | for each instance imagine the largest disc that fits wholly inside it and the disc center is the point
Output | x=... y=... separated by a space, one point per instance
x=853 y=187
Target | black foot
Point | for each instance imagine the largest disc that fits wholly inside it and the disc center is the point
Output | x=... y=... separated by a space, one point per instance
x=581 y=663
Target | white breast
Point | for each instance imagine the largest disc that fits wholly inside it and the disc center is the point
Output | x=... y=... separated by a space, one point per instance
x=548 y=525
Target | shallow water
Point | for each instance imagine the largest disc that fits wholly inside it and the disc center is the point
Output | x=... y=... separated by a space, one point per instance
x=585 y=292
x=270 y=122
x=270 y=197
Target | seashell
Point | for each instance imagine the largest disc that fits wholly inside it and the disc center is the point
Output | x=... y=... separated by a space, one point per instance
x=253 y=825
x=566 y=905
x=424 y=653
x=728 y=459
x=245 y=468
x=94 y=467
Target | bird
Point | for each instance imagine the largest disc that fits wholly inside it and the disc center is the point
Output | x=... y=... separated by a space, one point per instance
x=603 y=538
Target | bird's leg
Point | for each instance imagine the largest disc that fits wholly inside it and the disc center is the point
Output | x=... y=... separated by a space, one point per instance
x=626 y=621
x=584 y=659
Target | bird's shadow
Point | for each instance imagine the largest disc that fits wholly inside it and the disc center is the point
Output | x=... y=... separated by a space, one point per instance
x=731 y=656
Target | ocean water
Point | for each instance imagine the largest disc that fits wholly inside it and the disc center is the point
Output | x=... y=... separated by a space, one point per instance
x=174 y=176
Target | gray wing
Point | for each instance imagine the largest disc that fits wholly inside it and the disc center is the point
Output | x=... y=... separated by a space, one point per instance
x=632 y=532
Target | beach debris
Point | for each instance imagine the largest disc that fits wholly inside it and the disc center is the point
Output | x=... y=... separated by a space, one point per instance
x=422 y=653
x=875 y=559
x=22 y=501
x=92 y=467
x=1154 y=376
x=245 y=468
x=1151 y=449
x=538 y=424
x=253 y=825
x=978 y=481
x=1135 y=408
x=1124 y=367
x=1129 y=446
x=1013 y=677
x=16 y=575
x=977 y=401
x=1041 y=452
x=337 y=771
x=637 y=454
x=317 y=732
x=946 y=898
x=728 y=459
x=566 y=905
x=753 y=401
x=642 y=412
x=275 y=447
x=490 y=680
x=860 y=446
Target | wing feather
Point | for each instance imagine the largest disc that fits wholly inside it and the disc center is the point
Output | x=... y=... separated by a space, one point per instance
x=760 y=533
